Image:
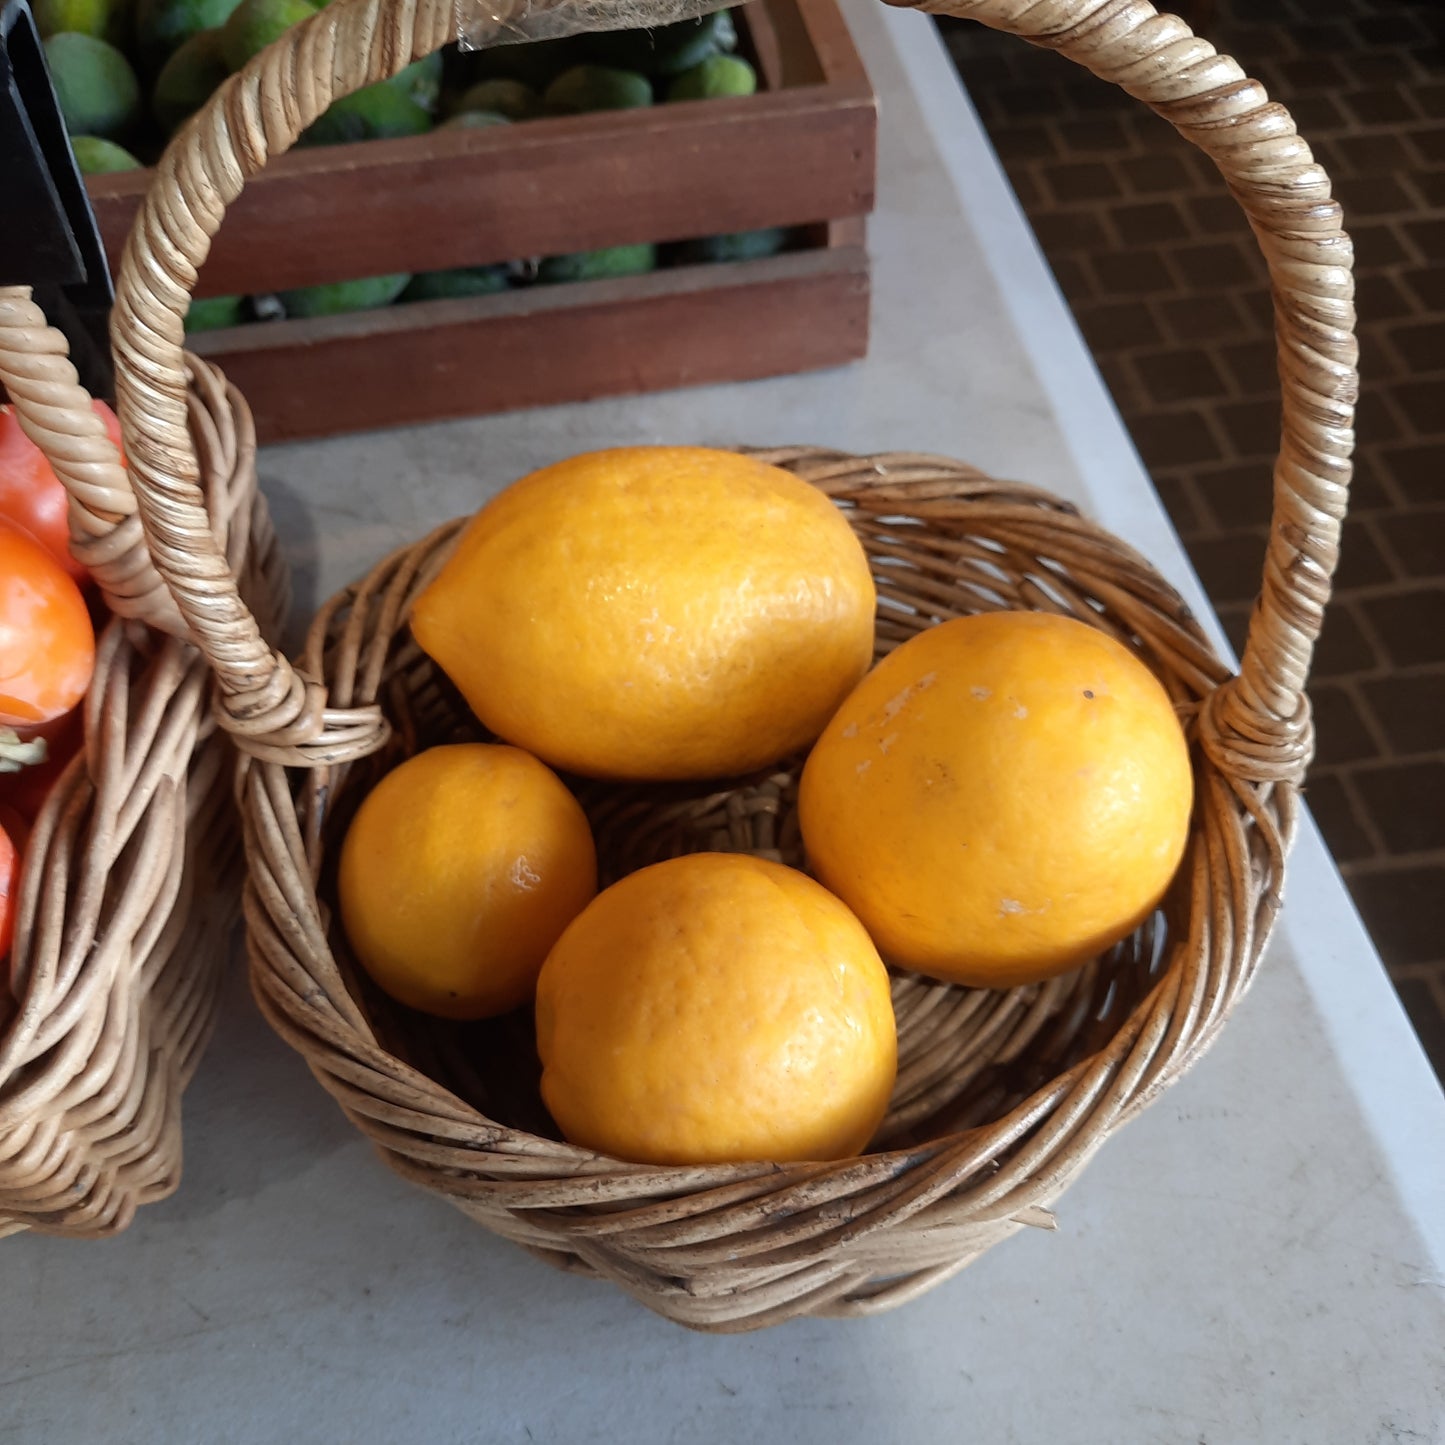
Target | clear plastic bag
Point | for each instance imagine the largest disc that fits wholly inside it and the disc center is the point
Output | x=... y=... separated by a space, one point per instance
x=484 y=23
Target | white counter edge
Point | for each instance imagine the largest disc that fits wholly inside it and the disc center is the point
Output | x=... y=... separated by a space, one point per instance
x=1383 y=1062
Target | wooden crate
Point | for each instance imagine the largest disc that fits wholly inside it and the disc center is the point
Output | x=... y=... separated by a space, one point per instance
x=799 y=153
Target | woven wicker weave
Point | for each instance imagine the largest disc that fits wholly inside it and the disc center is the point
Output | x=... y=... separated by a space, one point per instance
x=121 y=929
x=1002 y=1097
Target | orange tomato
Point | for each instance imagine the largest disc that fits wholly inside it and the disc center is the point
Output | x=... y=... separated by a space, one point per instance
x=9 y=887
x=47 y=646
x=32 y=497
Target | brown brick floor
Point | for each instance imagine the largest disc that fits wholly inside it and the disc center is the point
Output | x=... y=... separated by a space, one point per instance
x=1164 y=281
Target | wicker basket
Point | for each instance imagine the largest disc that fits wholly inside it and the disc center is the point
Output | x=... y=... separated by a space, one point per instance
x=121 y=930
x=1002 y=1097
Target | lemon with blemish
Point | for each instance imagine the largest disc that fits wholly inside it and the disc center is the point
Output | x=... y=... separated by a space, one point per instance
x=1000 y=799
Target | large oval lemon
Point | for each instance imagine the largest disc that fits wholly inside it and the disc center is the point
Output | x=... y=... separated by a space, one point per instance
x=654 y=612
x=716 y=1008
x=1000 y=799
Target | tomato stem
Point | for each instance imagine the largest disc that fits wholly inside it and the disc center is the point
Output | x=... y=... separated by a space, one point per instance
x=17 y=753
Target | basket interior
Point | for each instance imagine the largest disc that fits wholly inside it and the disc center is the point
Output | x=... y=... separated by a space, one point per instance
x=966 y=1056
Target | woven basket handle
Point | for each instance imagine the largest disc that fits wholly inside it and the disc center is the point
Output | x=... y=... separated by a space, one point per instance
x=54 y=411
x=1258 y=723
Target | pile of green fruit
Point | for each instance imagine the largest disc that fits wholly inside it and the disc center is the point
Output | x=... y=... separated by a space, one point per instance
x=129 y=73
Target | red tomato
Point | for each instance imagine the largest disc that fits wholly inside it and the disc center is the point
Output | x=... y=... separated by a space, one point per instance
x=18 y=828
x=25 y=791
x=47 y=647
x=32 y=497
x=9 y=889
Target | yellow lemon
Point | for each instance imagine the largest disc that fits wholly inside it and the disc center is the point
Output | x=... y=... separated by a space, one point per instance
x=654 y=612
x=716 y=1007
x=460 y=870
x=1002 y=797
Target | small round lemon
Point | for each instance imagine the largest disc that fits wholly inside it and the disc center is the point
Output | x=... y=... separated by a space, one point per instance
x=458 y=874
x=716 y=1008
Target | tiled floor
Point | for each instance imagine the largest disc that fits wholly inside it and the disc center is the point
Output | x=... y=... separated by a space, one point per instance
x=1162 y=275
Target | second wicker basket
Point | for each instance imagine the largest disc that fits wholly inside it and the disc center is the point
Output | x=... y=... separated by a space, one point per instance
x=129 y=882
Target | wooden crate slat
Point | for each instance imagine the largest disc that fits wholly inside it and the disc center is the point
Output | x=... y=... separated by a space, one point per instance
x=431 y=360
x=798 y=154
x=456 y=199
